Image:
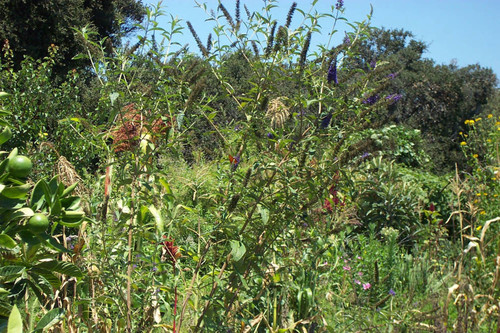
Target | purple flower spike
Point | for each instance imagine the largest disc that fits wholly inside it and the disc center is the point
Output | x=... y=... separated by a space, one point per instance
x=339 y=4
x=392 y=75
x=371 y=100
x=393 y=98
x=332 y=73
x=270 y=135
x=325 y=122
x=392 y=292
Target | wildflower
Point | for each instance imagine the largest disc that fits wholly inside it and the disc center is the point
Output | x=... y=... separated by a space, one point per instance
x=290 y=14
x=371 y=100
x=235 y=161
x=357 y=281
x=170 y=252
x=392 y=292
x=373 y=64
x=360 y=273
x=270 y=135
x=347 y=40
x=393 y=98
x=365 y=155
x=328 y=206
x=478 y=119
x=432 y=207
x=366 y=286
x=463 y=143
x=490 y=116
x=339 y=5
x=347 y=268
x=325 y=122
x=332 y=72
x=392 y=75
x=475 y=155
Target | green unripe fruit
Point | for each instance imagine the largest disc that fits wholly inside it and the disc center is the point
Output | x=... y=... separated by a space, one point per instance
x=20 y=166
x=38 y=223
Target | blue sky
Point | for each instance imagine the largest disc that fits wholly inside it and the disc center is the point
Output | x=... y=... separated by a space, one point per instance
x=461 y=31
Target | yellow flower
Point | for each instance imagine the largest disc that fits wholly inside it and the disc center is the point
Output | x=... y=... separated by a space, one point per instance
x=485 y=193
x=471 y=122
x=478 y=194
x=475 y=155
x=479 y=227
x=497 y=123
x=490 y=116
x=488 y=140
x=460 y=133
x=479 y=119
x=482 y=212
x=463 y=143
x=466 y=122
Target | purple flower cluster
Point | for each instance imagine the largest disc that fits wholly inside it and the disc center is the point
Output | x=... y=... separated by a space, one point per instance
x=393 y=98
x=371 y=100
x=347 y=40
x=332 y=72
x=325 y=122
x=392 y=75
x=339 y=5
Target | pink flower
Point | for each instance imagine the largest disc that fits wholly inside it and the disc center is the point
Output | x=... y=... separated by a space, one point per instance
x=366 y=286
x=347 y=268
x=357 y=281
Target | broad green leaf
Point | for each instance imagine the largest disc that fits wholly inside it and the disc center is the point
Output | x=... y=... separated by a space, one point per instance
x=20 y=213
x=16 y=192
x=5 y=135
x=264 y=214
x=160 y=223
x=15 y=324
x=69 y=189
x=10 y=271
x=37 y=196
x=238 y=250
x=62 y=267
x=6 y=242
x=52 y=317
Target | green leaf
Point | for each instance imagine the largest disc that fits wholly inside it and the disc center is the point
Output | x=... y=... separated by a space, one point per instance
x=238 y=250
x=62 y=267
x=52 y=317
x=21 y=213
x=69 y=190
x=15 y=324
x=10 y=271
x=264 y=214
x=16 y=192
x=6 y=242
x=160 y=223
x=37 y=196
x=5 y=135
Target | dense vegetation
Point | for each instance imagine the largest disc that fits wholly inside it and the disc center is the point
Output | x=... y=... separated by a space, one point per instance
x=255 y=184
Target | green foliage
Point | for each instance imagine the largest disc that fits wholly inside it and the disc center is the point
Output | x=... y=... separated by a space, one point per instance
x=258 y=186
x=29 y=257
x=30 y=28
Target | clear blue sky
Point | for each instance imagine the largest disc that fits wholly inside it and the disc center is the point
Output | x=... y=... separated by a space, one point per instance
x=464 y=31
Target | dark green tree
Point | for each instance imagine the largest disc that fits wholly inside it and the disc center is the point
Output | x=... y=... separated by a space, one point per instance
x=435 y=99
x=31 y=26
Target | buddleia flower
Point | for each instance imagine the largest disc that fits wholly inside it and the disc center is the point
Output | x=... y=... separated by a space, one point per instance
x=290 y=15
x=332 y=72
